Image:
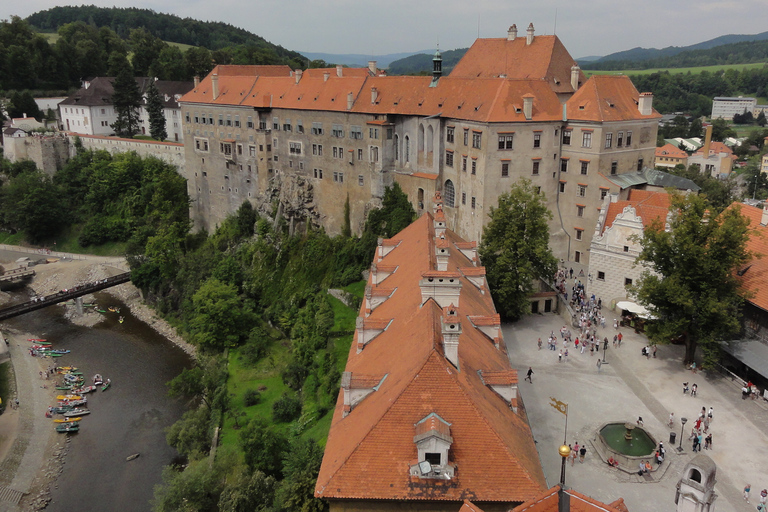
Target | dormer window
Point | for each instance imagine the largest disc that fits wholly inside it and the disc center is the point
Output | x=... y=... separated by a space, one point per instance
x=433 y=442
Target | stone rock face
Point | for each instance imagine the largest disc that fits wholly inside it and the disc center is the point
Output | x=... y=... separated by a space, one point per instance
x=291 y=198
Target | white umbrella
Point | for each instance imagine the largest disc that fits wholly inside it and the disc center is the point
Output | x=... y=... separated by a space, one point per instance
x=634 y=308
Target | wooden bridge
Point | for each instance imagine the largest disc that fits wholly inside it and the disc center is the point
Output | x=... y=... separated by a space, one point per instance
x=64 y=295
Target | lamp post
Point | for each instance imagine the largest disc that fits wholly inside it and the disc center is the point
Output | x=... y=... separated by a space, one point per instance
x=564 y=451
x=682 y=428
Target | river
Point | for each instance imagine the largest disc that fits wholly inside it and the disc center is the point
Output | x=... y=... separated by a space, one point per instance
x=128 y=418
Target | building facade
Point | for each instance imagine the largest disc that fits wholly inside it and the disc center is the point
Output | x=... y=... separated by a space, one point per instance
x=725 y=107
x=512 y=108
x=670 y=156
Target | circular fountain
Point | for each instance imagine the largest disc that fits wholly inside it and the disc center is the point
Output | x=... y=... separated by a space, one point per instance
x=626 y=443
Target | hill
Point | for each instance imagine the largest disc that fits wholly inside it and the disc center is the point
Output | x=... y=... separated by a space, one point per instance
x=643 y=54
x=359 y=59
x=168 y=27
x=422 y=63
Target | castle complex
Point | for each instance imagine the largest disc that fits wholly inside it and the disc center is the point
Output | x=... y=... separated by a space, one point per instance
x=513 y=107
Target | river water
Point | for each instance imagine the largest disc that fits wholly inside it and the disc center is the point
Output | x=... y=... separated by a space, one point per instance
x=128 y=418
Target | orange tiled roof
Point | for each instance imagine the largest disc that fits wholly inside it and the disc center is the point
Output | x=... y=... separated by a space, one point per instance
x=468 y=506
x=715 y=148
x=649 y=206
x=369 y=451
x=319 y=72
x=606 y=98
x=253 y=70
x=754 y=279
x=549 y=501
x=545 y=58
x=670 y=151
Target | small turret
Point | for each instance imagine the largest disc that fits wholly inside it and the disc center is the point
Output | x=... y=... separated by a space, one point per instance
x=437 y=68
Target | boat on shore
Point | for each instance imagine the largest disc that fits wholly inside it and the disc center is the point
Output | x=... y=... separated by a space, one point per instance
x=77 y=412
x=69 y=397
x=37 y=340
x=66 y=420
x=106 y=385
x=98 y=380
x=83 y=390
x=64 y=428
x=74 y=403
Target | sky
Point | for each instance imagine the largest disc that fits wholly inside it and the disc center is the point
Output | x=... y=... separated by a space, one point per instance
x=594 y=27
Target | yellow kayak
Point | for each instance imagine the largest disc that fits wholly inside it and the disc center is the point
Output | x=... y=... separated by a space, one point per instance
x=69 y=397
x=67 y=420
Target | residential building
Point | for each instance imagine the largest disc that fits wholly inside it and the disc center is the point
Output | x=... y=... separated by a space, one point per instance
x=513 y=107
x=428 y=412
x=692 y=144
x=615 y=245
x=670 y=156
x=90 y=111
x=764 y=163
x=725 y=107
x=714 y=158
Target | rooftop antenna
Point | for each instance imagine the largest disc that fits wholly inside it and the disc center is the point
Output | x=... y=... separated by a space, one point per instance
x=555 y=31
x=478 y=26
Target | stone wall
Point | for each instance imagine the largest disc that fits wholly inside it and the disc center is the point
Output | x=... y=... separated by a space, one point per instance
x=49 y=153
x=169 y=152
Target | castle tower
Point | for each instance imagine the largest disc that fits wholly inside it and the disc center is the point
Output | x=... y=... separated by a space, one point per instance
x=696 y=488
x=437 y=68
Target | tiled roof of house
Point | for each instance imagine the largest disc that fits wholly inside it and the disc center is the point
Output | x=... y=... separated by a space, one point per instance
x=649 y=206
x=371 y=449
x=754 y=275
x=549 y=501
x=671 y=151
x=715 y=148
x=606 y=98
x=319 y=72
x=100 y=89
x=545 y=58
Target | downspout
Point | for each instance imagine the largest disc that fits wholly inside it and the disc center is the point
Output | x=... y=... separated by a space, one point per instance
x=559 y=171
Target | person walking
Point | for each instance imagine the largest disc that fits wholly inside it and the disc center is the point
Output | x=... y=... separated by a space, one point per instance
x=560 y=357
x=582 y=453
x=747 y=488
x=599 y=365
x=619 y=338
x=528 y=375
x=574 y=453
x=671 y=419
x=694 y=388
x=709 y=414
x=640 y=420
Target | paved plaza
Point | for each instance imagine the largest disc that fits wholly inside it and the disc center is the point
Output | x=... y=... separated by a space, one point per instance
x=629 y=386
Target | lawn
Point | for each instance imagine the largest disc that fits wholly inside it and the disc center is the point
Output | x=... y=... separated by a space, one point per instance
x=695 y=70
x=744 y=130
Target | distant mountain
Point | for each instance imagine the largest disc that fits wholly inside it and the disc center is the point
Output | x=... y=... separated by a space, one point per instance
x=422 y=63
x=590 y=58
x=358 y=59
x=637 y=54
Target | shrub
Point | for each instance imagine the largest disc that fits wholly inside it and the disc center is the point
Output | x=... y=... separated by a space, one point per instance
x=286 y=408
x=252 y=397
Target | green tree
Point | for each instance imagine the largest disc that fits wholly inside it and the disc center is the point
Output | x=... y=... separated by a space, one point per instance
x=248 y=493
x=199 y=61
x=300 y=469
x=23 y=103
x=117 y=62
x=515 y=248
x=721 y=129
x=191 y=435
x=395 y=214
x=690 y=284
x=32 y=202
x=219 y=319
x=146 y=50
x=126 y=99
x=156 y=114
x=761 y=119
x=263 y=447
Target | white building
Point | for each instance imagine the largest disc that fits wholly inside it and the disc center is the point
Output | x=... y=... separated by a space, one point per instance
x=726 y=107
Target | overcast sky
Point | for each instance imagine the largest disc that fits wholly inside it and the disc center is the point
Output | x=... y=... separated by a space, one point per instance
x=596 y=27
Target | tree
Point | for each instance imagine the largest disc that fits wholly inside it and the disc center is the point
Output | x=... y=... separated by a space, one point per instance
x=300 y=469
x=126 y=99
x=219 y=319
x=761 y=119
x=156 y=114
x=146 y=50
x=690 y=284
x=515 y=248
x=32 y=202
x=23 y=103
x=263 y=447
x=244 y=493
x=721 y=130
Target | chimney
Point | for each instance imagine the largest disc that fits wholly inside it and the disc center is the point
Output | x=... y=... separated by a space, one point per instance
x=24 y=115
x=529 y=34
x=350 y=100
x=374 y=95
x=442 y=254
x=215 y=85
x=645 y=104
x=528 y=106
x=372 y=67
x=451 y=330
x=575 y=69
x=764 y=218
x=298 y=75
x=707 y=141
x=326 y=76
x=339 y=70
x=444 y=287
x=197 y=81
x=512 y=33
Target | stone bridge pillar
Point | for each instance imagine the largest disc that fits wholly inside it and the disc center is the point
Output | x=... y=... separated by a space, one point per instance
x=79 y=305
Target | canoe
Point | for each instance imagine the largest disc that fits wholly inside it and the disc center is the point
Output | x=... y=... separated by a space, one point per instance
x=38 y=340
x=63 y=388
x=84 y=390
x=67 y=427
x=68 y=397
x=106 y=385
x=100 y=310
x=73 y=403
x=77 y=412
x=63 y=368
x=67 y=420
x=132 y=457
x=61 y=409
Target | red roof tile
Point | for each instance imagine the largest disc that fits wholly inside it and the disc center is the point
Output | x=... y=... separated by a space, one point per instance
x=606 y=98
x=649 y=206
x=549 y=500
x=670 y=151
x=755 y=277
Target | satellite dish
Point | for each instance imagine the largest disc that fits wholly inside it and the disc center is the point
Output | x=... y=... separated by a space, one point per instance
x=425 y=467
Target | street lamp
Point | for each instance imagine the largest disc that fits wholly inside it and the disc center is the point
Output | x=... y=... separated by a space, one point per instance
x=564 y=451
x=682 y=427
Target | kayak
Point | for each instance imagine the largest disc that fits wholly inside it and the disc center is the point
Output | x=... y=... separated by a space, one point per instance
x=106 y=385
x=38 y=340
x=73 y=403
x=67 y=420
x=84 y=389
x=77 y=412
x=67 y=427
x=69 y=397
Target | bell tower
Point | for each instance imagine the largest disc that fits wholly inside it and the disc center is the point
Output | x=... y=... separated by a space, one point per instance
x=696 y=487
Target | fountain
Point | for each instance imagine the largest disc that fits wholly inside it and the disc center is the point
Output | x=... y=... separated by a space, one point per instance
x=627 y=439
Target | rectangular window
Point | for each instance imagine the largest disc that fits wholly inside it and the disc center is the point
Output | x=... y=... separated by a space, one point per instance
x=317 y=149
x=473 y=202
x=477 y=140
x=466 y=136
x=535 y=169
x=226 y=148
x=317 y=128
x=464 y=163
x=584 y=167
x=579 y=210
x=287 y=126
x=563 y=165
x=318 y=173
x=639 y=164
x=341 y=152
x=608 y=140
x=356 y=132
x=197 y=118
x=337 y=130
x=249 y=123
x=275 y=123
x=374 y=153
x=614 y=167
x=274 y=143
x=586 y=139
x=262 y=124
x=582 y=190
x=299 y=126
x=390 y=133
x=567 y=137
x=187 y=116
x=373 y=133
x=627 y=281
x=504 y=169
x=562 y=186
x=449 y=134
x=463 y=198
x=360 y=180
x=294 y=148
x=251 y=150
x=603 y=193
x=537 y=140
x=237 y=121
x=359 y=154
x=626 y=248
x=449 y=158
x=579 y=234
x=629 y=138
x=619 y=139
x=600 y=275
x=338 y=177
x=577 y=256
x=505 y=141
x=239 y=149
x=474 y=166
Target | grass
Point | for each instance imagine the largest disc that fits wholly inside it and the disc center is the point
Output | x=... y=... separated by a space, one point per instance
x=5 y=385
x=744 y=130
x=344 y=317
x=693 y=70
x=357 y=289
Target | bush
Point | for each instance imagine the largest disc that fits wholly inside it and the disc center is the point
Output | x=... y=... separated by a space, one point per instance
x=286 y=408
x=252 y=397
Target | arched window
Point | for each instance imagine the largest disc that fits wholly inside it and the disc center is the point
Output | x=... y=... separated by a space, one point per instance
x=430 y=139
x=421 y=138
x=449 y=193
x=695 y=475
x=397 y=148
x=407 y=149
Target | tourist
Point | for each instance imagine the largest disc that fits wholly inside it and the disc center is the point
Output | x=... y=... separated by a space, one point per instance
x=582 y=453
x=574 y=453
x=747 y=488
x=619 y=338
x=710 y=413
x=599 y=365
x=539 y=343
x=640 y=420
x=685 y=387
x=528 y=375
x=694 y=389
